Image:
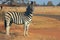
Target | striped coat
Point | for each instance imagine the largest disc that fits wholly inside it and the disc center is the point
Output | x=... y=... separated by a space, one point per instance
x=17 y=17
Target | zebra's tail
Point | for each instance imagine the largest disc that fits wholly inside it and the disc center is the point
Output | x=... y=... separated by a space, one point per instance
x=5 y=24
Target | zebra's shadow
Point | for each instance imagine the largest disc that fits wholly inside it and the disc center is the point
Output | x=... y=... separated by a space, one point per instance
x=15 y=34
x=1 y=32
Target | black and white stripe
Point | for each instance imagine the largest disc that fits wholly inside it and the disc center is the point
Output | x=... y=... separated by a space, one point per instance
x=19 y=18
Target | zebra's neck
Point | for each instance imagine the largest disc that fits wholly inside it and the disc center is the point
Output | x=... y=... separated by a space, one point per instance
x=28 y=14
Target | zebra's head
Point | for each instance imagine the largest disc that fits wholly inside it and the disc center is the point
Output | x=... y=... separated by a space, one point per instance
x=29 y=9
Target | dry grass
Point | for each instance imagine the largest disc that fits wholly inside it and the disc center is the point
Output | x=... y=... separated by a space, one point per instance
x=47 y=10
x=37 y=10
x=44 y=22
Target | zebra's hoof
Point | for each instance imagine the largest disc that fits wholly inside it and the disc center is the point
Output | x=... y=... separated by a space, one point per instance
x=8 y=36
x=26 y=35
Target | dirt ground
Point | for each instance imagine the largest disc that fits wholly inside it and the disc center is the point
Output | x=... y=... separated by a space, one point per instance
x=42 y=28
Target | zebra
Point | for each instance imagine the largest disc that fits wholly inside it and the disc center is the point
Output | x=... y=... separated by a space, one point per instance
x=19 y=18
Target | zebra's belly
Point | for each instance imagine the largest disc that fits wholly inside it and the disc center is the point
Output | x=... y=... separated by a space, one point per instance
x=19 y=22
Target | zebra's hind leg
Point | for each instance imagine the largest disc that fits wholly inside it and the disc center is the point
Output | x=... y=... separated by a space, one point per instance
x=8 y=24
x=7 y=28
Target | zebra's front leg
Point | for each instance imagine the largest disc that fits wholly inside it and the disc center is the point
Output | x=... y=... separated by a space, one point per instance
x=26 y=29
